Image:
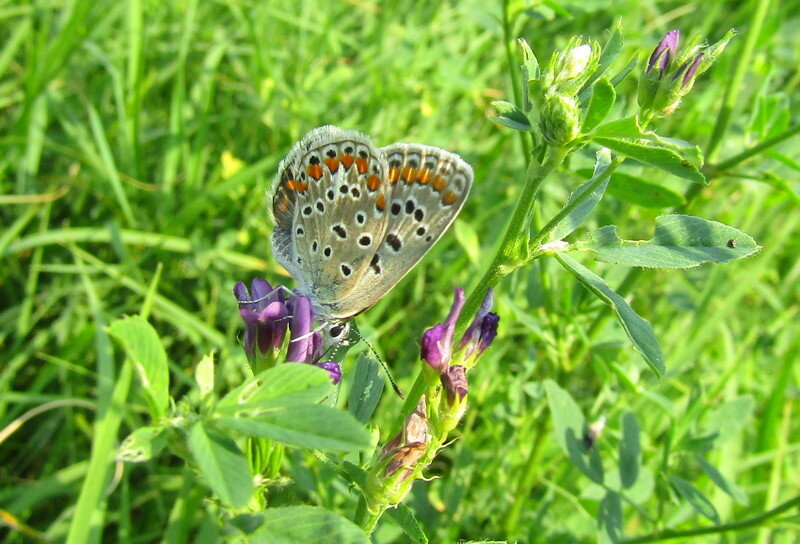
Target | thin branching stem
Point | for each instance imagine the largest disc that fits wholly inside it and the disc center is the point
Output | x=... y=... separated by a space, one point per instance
x=755 y=521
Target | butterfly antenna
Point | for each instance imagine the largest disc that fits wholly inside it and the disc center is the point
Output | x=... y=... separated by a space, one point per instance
x=381 y=361
x=265 y=297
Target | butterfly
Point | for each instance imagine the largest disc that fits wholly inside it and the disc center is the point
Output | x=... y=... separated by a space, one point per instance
x=351 y=220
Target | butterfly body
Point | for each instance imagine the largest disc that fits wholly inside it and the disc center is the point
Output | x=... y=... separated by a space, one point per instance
x=351 y=220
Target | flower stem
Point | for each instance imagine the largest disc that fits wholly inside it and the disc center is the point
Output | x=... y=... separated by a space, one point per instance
x=510 y=254
x=755 y=521
x=715 y=170
x=540 y=236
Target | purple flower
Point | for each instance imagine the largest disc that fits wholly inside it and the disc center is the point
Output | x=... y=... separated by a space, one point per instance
x=689 y=74
x=437 y=345
x=265 y=315
x=670 y=74
x=437 y=342
x=483 y=328
x=665 y=51
x=333 y=368
x=454 y=381
x=305 y=345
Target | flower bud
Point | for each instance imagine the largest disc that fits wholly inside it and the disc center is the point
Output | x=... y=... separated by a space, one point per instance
x=454 y=382
x=671 y=73
x=560 y=120
x=571 y=67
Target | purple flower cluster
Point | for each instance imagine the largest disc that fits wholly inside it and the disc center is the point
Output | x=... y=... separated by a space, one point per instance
x=267 y=315
x=437 y=344
x=665 y=52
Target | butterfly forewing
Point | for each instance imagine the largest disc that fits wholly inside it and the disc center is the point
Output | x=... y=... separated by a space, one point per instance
x=329 y=210
x=428 y=188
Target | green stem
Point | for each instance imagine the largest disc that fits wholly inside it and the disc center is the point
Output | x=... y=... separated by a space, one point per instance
x=364 y=518
x=718 y=529
x=507 y=258
x=716 y=170
x=540 y=236
x=732 y=91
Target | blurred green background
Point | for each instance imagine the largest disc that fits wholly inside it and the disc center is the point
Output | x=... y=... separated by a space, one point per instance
x=137 y=134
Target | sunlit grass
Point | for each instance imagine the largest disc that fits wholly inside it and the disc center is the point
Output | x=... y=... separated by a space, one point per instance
x=123 y=124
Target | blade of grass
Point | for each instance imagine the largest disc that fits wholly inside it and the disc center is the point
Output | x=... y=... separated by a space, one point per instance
x=109 y=166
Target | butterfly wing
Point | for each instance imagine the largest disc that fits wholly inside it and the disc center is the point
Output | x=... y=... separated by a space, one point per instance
x=329 y=209
x=428 y=189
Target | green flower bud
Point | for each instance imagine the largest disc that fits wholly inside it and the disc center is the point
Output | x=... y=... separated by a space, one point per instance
x=571 y=67
x=560 y=119
x=670 y=75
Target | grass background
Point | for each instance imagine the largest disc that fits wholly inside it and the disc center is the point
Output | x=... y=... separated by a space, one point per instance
x=143 y=134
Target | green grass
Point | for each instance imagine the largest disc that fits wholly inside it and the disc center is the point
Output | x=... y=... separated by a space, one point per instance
x=114 y=119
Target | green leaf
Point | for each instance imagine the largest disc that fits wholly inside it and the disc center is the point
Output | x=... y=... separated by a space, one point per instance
x=686 y=150
x=694 y=497
x=600 y=103
x=608 y=55
x=610 y=52
x=637 y=191
x=204 y=375
x=638 y=330
x=567 y=416
x=222 y=464
x=510 y=116
x=722 y=482
x=609 y=519
x=366 y=390
x=627 y=127
x=629 y=450
x=144 y=349
x=627 y=69
x=593 y=468
x=142 y=445
x=404 y=517
x=530 y=72
x=312 y=426
x=643 y=193
x=680 y=241
x=588 y=203
x=280 y=387
x=294 y=524
x=660 y=157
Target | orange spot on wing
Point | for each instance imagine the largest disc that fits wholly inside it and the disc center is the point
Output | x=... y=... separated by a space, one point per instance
x=394 y=174
x=332 y=164
x=373 y=182
x=407 y=174
x=439 y=182
x=380 y=202
x=449 y=198
x=347 y=161
x=361 y=164
x=295 y=185
x=314 y=170
x=424 y=175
